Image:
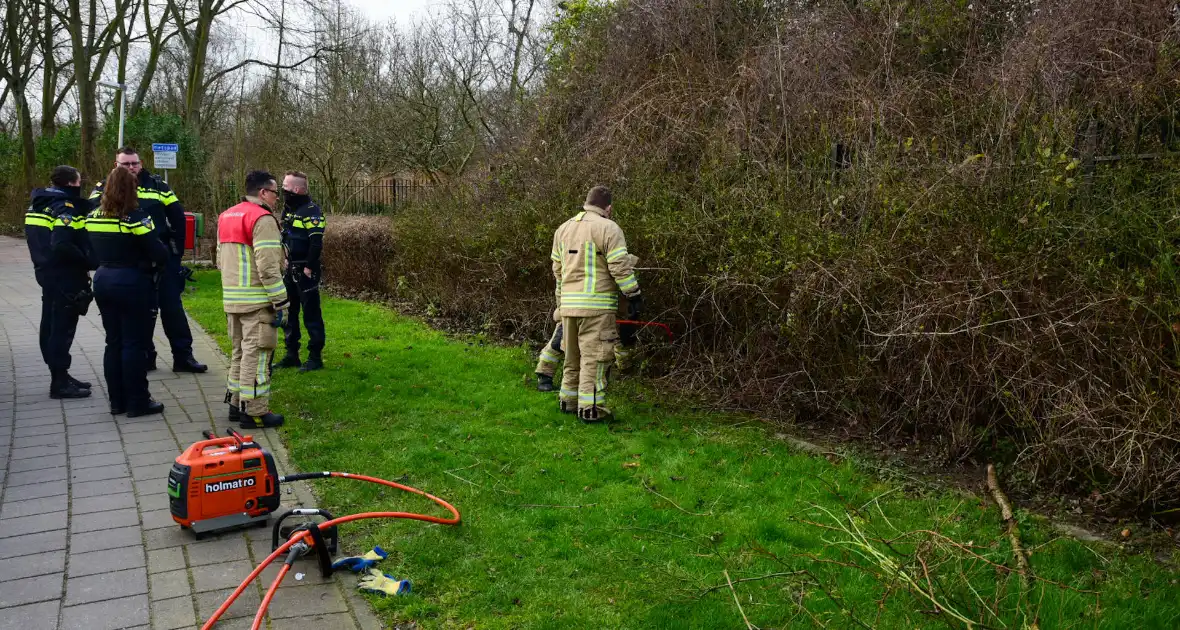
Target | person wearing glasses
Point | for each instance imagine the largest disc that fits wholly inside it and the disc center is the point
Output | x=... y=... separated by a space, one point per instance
x=250 y=257
x=167 y=213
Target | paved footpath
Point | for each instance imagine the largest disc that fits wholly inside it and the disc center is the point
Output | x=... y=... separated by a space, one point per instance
x=86 y=539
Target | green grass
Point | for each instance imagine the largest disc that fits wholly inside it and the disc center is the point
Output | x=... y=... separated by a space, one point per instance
x=460 y=420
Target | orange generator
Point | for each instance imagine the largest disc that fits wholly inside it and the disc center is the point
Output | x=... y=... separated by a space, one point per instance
x=223 y=483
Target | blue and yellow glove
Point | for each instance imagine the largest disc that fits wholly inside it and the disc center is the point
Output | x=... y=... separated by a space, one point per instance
x=356 y=564
x=382 y=584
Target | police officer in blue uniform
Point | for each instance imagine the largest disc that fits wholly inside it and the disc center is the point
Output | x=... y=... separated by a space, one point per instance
x=130 y=256
x=303 y=238
x=55 y=233
x=167 y=213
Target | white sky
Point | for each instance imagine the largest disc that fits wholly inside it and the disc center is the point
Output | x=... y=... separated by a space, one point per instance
x=401 y=10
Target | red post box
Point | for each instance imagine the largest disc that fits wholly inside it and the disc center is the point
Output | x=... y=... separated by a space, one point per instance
x=190 y=231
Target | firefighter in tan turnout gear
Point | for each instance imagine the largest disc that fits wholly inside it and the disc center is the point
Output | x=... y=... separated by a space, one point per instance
x=250 y=256
x=591 y=265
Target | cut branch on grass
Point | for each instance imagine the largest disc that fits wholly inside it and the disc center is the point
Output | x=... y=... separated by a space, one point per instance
x=653 y=491
x=749 y=626
x=1022 y=566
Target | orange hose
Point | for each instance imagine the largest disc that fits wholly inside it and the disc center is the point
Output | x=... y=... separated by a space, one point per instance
x=270 y=594
x=454 y=520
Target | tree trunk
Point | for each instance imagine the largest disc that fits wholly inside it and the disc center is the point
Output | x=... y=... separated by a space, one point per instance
x=87 y=109
x=17 y=68
x=198 y=52
x=49 y=75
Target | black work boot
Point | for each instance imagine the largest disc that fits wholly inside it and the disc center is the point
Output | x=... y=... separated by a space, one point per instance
x=314 y=362
x=189 y=364
x=544 y=382
x=290 y=360
x=269 y=420
x=61 y=387
x=77 y=383
x=235 y=414
x=149 y=408
x=591 y=415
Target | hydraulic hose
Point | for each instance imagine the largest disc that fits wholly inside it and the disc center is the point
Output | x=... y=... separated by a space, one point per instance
x=304 y=537
x=270 y=593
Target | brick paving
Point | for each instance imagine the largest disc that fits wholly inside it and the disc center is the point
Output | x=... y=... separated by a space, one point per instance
x=86 y=540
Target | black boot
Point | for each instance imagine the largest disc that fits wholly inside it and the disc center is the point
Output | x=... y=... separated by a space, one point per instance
x=290 y=360
x=152 y=407
x=544 y=382
x=314 y=362
x=61 y=387
x=269 y=420
x=235 y=414
x=189 y=364
x=77 y=383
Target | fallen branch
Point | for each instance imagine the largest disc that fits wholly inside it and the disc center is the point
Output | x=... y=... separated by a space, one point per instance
x=749 y=626
x=751 y=579
x=653 y=491
x=540 y=505
x=1025 y=571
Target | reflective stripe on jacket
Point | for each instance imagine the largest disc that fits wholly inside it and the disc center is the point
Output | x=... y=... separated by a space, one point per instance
x=591 y=264
x=250 y=257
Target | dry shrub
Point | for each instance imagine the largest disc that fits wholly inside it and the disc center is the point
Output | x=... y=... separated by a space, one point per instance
x=357 y=254
x=876 y=216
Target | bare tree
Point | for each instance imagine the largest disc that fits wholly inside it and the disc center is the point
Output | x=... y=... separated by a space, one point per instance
x=21 y=18
x=91 y=49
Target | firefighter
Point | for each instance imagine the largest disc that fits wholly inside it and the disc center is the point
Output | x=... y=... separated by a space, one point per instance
x=55 y=226
x=129 y=256
x=158 y=200
x=250 y=256
x=303 y=240
x=553 y=351
x=591 y=265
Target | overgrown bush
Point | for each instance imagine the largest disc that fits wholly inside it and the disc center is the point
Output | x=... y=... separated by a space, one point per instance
x=357 y=253
x=884 y=217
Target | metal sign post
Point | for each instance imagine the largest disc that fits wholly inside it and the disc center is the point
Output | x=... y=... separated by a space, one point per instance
x=164 y=155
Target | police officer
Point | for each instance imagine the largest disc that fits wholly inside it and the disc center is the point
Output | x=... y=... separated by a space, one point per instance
x=303 y=238
x=129 y=255
x=161 y=204
x=55 y=232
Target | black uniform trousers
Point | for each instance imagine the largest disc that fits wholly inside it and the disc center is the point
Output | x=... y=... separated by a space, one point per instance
x=304 y=294
x=170 y=310
x=59 y=322
x=125 y=298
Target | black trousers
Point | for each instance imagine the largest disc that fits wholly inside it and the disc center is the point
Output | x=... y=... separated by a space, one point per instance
x=304 y=294
x=170 y=310
x=125 y=300
x=59 y=323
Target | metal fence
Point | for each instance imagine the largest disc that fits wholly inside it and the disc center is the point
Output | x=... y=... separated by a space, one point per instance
x=356 y=198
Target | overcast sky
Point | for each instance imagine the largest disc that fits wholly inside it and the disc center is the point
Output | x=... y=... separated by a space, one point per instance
x=402 y=10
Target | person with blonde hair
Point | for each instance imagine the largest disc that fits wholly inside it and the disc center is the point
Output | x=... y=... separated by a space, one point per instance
x=129 y=256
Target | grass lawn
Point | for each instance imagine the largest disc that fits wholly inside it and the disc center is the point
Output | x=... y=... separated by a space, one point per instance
x=637 y=525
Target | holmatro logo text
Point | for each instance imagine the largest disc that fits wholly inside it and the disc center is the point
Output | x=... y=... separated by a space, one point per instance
x=232 y=484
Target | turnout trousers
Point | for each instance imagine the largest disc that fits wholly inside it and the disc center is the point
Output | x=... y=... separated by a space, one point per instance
x=254 y=340
x=554 y=351
x=304 y=294
x=125 y=297
x=589 y=351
